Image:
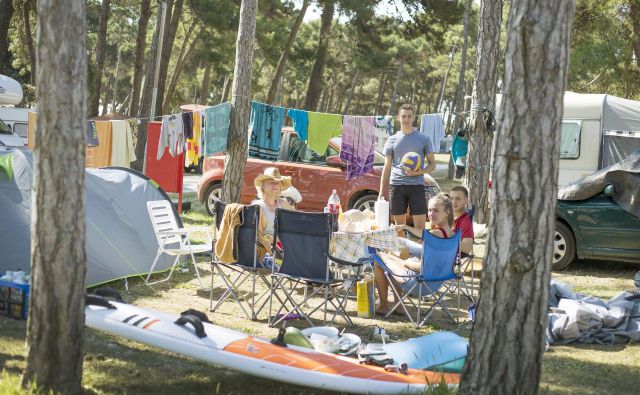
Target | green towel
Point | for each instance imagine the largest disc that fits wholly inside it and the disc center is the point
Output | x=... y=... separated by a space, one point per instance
x=6 y=164
x=321 y=129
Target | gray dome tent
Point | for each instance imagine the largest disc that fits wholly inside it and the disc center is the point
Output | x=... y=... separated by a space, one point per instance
x=120 y=241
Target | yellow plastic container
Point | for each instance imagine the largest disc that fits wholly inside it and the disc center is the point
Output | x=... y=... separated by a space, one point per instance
x=362 y=299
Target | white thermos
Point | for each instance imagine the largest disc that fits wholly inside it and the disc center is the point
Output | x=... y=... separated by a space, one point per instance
x=382 y=213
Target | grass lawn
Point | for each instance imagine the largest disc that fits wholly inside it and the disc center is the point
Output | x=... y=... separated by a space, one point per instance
x=116 y=366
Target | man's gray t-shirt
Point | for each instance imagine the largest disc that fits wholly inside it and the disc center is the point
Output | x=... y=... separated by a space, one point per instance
x=397 y=146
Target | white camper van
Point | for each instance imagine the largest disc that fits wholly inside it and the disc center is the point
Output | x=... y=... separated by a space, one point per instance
x=12 y=119
x=597 y=131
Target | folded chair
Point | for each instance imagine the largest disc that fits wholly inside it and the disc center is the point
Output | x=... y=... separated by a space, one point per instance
x=432 y=284
x=234 y=275
x=306 y=260
x=173 y=240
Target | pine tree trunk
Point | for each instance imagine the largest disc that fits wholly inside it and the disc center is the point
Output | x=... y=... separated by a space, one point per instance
x=55 y=329
x=483 y=96
x=6 y=13
x=204 y=88
x=317 y=72
x=458 y=101
x=185 y=50
x=634 y=16
x=236 y=158
x=106 y=101
x=395 y=89
x=171 y=23
x=101 y=48
x=228 y=80
x=144 y=111
x=381 y=87
x=354 y=81
x=28 y=34
x=282 y=62
x=141 y=43
x=507 y=341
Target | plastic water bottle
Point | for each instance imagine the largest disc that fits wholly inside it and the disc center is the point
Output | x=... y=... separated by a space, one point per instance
x=381 y=208
x=333 y=207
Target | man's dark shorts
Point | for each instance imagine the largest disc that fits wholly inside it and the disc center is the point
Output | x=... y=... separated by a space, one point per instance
x=401 y=196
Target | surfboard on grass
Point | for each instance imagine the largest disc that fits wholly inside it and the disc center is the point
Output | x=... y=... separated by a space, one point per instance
x=238 y=351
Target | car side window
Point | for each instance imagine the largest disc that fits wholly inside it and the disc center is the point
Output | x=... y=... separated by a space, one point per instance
x=299 y=152
x=570 y=140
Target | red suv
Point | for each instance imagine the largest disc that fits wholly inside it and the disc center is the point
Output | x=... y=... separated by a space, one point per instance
x=313 y=175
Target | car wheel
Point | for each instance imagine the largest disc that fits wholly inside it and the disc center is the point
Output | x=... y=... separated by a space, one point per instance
x=213 y=193
x=564 y=247
x=365 y=202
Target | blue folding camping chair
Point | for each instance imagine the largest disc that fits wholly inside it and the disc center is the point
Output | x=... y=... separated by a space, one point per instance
x=434 y=282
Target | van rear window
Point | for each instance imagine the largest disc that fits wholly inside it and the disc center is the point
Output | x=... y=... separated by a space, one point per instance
x=21 y=129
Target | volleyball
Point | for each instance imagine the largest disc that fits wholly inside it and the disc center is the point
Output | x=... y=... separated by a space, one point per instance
x=412 y=161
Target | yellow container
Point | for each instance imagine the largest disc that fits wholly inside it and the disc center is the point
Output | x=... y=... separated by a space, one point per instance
x=362 y=299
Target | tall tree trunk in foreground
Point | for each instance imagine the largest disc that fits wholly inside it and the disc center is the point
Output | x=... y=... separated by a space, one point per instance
x=6 y=13
x=317 y=72
x=141 y=43
x=483 y=97
x=55 y=329
x=101 y=48
x=144 y=111
x=507 y=341
x=282 y=62
x=236 y=158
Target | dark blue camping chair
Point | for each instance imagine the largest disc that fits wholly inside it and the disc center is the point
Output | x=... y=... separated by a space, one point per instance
x=245 y=268
x=436 y=278
x=306 y=260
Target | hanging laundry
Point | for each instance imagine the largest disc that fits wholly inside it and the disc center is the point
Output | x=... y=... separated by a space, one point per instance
x=100 y=156
x=384 y=129
x=187 y=124
x=193 y=143
x=122 y=149
x=133 y=124
x=357 y=145
x=92 y=134
x=432 y=125
x=171 y=135
x=216 y=128
x=265 y=126
x=300 y=120
x=322 y=128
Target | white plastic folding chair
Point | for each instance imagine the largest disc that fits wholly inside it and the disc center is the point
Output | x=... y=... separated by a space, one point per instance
x=173 y=240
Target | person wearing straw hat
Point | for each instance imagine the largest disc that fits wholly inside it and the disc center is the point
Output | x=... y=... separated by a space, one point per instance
x=270 y=185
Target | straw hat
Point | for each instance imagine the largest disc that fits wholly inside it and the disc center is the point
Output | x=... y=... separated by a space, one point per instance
x=272 y=173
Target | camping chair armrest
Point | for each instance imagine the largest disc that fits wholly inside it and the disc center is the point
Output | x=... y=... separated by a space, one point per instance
x=360 y=262
x=178 y=232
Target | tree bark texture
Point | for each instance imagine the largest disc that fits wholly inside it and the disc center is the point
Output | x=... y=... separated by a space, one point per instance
x=282 y=62
x=101 y=48
x=55 y=329
x=171 y=24
x=236 y=158
x=144 y=111
x=483 y=97
x=141 y=43
x=28 y=35
x=317 y=72
x=228 y=80
x=6 y=13
x=185 y=51
x=634 y=14
x=507 y=341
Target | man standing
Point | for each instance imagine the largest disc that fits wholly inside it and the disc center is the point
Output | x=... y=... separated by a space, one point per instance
x=406 y=187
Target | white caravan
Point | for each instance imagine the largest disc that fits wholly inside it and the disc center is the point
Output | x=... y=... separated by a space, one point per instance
x=597 y=131
x=11 y=94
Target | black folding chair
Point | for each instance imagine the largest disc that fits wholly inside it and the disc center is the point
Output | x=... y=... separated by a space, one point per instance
x=234 y=275
x=306 y=239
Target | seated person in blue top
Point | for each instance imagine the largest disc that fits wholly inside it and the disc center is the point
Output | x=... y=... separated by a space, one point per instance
x=270 y=185
x=440 y=212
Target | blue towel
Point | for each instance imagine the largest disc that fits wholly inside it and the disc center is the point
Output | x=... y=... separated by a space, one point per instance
x=300 y=120
x=265 y=125
x=216 y=128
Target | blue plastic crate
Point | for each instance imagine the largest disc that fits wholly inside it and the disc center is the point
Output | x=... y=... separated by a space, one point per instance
x=14 y=299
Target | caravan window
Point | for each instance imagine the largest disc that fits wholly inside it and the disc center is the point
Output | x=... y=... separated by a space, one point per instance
x=21 y=129
x=570 y=140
